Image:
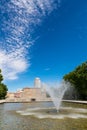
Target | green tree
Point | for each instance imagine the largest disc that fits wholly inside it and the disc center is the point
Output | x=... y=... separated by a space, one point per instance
x=78 y=78
x=3 y=88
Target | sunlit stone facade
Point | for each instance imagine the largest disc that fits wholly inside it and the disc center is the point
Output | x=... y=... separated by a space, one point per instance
x=29 y=94
x=33 y=94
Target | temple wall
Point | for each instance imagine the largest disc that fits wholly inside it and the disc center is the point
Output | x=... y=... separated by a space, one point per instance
x=28 y=94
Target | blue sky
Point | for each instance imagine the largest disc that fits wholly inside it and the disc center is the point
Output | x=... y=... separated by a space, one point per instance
x=45 y=39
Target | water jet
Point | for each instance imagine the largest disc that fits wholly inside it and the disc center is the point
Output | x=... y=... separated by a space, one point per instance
x=56 y=92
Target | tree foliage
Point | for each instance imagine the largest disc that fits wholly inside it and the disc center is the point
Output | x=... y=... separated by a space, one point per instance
x=78 y=78
x=3 y=88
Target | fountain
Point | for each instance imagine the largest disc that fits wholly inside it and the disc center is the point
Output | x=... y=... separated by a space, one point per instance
x=43 y=113
x=56 y=92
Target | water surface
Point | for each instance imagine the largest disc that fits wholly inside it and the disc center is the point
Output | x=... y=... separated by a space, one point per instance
x=18 y=116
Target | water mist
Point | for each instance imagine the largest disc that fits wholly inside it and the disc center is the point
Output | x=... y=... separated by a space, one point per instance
x=56 y=92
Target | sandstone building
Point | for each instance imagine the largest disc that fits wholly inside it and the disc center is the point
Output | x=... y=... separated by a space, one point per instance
x=37 y=93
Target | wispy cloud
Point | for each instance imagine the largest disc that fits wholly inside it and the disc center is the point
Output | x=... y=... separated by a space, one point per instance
x=12 y=65
x=18 y=20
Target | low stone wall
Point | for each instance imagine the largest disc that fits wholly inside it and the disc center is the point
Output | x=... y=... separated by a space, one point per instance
x=75 y=101
x=2 y=101
x=26 y=100
x=23 y=100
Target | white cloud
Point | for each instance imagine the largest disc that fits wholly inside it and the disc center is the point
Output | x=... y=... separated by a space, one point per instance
x=22 y=15
x=11 y=65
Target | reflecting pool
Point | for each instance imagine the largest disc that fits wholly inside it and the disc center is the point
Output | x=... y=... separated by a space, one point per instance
x=42 y=116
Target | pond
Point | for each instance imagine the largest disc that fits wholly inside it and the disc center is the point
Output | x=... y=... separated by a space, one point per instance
x=42 y=116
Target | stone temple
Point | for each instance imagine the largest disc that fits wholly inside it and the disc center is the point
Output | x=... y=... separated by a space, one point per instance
x=36 y=93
